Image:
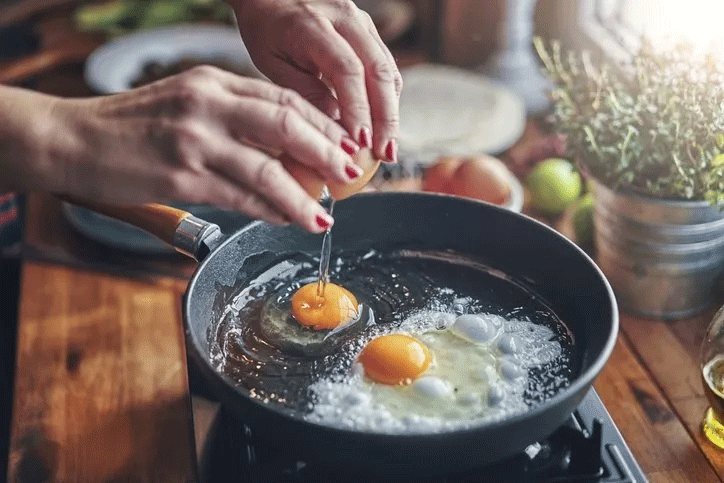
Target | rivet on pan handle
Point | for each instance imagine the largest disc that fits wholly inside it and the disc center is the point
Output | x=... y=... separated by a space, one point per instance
x=188 y=234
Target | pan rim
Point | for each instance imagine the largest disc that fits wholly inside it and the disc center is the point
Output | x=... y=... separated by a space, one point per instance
x=582 y=382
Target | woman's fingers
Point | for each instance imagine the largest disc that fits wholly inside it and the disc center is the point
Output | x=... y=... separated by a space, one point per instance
x=298 y=42
x=307 y=84
x=236 y=128
x=303 y=83
x=383 y=82
x=266 y=175
x=333 y=56
x=214 y=168
x=271 y=118
x=282 y=128
x=227 y=193
x=390 y=58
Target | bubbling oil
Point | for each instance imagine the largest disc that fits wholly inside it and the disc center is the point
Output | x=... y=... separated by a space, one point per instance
x=391 y=285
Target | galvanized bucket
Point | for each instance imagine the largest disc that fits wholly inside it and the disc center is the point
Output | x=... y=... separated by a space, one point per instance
x=663 y=258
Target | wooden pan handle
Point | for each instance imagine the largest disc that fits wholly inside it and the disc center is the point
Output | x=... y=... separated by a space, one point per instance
x=31 y=66
x=159 y=220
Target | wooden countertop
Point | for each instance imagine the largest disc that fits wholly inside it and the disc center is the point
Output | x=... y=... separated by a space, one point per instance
x=101 y=391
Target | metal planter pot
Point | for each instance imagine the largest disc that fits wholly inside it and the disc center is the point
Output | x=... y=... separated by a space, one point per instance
x=663 y=258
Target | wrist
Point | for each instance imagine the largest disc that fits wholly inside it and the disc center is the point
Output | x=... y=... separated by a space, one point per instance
x=29 y=131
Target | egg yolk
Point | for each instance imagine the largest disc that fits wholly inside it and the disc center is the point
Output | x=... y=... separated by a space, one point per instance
x=395 y=359
x=335 y=306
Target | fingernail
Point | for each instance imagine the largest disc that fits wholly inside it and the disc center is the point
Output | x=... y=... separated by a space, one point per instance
x=349 y=146
x=391 y=151
x=353 y=171
x=365 y=136
x=324 y=221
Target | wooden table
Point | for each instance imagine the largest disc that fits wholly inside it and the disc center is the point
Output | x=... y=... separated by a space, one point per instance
x=102 y=394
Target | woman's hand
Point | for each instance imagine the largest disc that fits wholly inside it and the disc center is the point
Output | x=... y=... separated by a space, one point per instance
x=204 y=136
x=330 y=52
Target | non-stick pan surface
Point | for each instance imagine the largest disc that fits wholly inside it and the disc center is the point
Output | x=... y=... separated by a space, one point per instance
x=524 y=249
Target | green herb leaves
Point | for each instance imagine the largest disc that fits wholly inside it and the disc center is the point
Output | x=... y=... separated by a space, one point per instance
x=655 y=126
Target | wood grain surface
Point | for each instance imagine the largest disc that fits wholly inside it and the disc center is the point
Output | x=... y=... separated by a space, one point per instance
x=659 y=440
x=670 y=353
x=101 y=390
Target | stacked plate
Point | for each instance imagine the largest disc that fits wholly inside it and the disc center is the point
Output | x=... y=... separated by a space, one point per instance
x=450 y=111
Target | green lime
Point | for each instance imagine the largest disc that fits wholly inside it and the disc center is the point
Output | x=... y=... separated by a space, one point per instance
x=583 y=219
x=553 y=184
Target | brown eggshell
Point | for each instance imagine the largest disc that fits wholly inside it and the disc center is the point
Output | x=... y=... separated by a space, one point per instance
x=305 y=176
x=437 y=177
x=483 y=178
x=313 y=183
x=369 y=164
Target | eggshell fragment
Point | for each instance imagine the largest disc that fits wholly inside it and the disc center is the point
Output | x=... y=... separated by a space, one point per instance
x=369 y=164
x=314 y=184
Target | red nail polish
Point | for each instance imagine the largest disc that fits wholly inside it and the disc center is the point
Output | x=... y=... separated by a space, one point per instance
x=365 y=137
x=391 y=151
x=324 y=221
x=352 y=171
x=349 y=146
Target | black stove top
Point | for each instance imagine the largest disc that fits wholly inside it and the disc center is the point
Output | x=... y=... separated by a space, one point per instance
x=587 y=448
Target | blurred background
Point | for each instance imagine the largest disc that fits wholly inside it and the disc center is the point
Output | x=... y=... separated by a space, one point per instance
x=54 y=34
x=473 y=83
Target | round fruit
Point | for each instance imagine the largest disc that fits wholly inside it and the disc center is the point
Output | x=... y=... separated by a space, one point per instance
x=437 y=177
x=583 y=219
x=553 y=185
x=483 y=178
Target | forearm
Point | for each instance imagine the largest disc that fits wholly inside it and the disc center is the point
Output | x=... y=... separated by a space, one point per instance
x=28 y=126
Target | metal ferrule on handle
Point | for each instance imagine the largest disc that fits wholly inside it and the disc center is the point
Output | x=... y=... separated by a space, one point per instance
x=194 y=237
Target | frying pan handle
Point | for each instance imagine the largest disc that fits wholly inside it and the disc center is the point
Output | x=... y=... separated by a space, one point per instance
x=188 y=234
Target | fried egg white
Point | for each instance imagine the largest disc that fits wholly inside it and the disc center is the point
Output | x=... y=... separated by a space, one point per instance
x=479 y=370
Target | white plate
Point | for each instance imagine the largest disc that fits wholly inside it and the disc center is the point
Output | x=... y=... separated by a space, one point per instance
x=517 y=194
x=446 y=110
x=114 y=66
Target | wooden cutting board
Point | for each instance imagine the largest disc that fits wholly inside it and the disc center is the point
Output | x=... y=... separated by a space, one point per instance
x=101 y=390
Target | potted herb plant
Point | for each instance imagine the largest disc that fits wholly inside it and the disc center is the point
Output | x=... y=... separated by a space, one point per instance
x=650 y=137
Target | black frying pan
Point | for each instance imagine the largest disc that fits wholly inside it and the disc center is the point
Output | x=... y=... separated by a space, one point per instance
x=524 y=249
